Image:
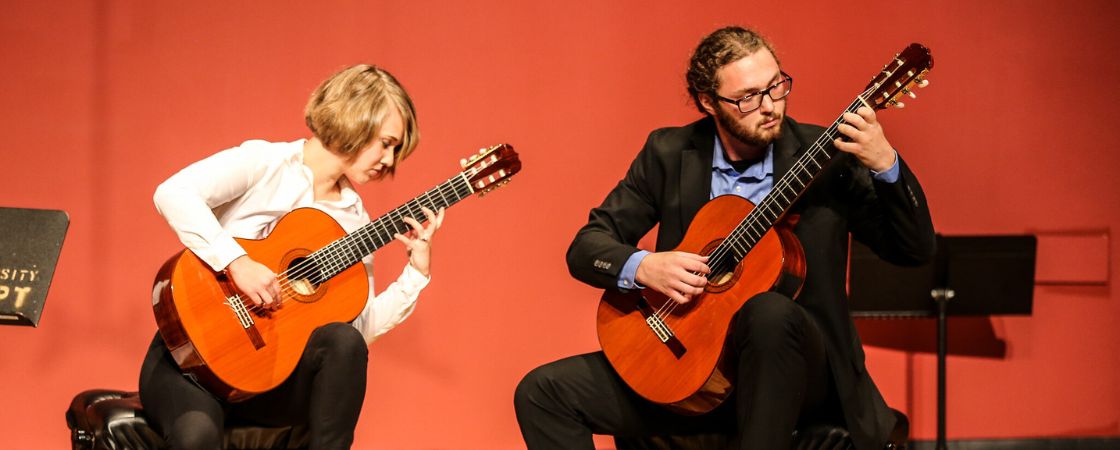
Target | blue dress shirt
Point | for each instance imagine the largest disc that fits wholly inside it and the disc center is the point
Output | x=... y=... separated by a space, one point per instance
x=753 y=184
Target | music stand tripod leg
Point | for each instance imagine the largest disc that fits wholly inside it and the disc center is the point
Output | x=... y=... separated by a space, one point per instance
x=942 y=297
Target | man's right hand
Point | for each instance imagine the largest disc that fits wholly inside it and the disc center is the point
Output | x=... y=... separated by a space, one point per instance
x=673 y=274
x=256 y=281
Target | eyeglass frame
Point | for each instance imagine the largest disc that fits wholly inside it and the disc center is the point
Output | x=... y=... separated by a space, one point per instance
x=785 y=78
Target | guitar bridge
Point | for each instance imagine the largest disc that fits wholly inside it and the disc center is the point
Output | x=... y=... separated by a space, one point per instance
x=660 y=329
x=235 y=304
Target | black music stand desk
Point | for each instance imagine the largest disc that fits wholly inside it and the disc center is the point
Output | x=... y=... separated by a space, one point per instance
x=30 y=241
x=981 y=275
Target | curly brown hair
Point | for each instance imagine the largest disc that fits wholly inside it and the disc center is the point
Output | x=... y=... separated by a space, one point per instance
x=721 y=47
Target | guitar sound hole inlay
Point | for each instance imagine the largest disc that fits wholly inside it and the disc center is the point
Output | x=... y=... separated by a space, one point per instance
x=303 y=287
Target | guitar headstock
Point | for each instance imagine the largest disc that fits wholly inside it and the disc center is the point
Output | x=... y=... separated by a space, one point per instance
x=491 y=168
x=898 y=78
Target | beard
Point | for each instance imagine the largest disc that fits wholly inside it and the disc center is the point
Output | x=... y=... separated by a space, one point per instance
x=754 y=137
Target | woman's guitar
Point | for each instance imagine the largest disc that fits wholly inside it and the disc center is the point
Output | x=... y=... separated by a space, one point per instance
x=674 y=354
x=237 y=350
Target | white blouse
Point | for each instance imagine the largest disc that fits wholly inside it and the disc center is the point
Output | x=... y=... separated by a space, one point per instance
x=241 y=192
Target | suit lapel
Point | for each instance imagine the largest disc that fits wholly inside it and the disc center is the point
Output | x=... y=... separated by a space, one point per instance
x=696 y=170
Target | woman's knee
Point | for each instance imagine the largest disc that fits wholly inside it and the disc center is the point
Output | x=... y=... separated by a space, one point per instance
x=342 y=339
x=195 y=430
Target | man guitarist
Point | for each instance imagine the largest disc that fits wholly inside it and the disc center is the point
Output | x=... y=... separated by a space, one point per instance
x=796 y=361
x=362 y=124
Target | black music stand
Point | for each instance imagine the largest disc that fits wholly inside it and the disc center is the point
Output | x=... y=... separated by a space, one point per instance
x=30 y=241
x=983 y=275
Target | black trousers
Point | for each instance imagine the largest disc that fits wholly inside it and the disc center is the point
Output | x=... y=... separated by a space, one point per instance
x=783 y=379
x=325 y=392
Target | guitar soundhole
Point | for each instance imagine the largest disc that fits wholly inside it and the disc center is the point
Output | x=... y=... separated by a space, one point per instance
x=722 y=278
x=304 y=276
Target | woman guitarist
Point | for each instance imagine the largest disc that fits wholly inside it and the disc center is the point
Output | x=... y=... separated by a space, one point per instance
x=362 y=125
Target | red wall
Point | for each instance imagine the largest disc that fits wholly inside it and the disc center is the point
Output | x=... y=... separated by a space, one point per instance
x=103 y=100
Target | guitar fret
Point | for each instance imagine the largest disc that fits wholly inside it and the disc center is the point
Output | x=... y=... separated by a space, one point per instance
x=346 y=251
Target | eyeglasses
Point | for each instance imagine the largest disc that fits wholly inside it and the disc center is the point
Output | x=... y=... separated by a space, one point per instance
x=754 y=101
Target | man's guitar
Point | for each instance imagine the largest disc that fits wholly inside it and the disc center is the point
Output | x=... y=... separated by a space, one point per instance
x=237 y=350
x=675 y=354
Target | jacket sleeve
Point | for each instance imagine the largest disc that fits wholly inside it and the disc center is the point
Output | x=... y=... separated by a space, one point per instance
x=613 y=229
x=893 y=219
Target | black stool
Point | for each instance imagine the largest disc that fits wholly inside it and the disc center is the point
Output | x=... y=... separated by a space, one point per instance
x=101 y=419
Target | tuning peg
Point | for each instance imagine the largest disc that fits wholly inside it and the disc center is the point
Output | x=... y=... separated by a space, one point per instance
x=922 y=82
x=463 y=163
x=897 y=104
x=911 y=94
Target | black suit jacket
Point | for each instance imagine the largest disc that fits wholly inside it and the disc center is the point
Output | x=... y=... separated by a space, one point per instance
x=670 y=180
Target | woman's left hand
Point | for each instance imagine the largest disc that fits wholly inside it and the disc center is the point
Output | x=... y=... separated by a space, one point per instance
x=418 y=241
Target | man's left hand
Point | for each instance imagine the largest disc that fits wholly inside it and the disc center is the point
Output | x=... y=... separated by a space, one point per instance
x=865 y=140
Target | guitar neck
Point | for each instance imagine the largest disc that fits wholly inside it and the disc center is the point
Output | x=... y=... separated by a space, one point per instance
x=785 y=192
x=350 y=249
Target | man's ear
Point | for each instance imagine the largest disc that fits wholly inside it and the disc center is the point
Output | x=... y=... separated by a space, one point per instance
x=708 y=103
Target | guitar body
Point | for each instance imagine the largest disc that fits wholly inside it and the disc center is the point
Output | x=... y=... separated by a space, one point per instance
x=694 y=374
x=192 y=305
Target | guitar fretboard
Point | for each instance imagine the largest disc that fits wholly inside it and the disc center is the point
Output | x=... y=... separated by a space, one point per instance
x=350 y=249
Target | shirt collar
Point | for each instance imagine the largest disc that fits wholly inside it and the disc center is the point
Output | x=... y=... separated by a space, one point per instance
x=756 y=170
x=349 y=196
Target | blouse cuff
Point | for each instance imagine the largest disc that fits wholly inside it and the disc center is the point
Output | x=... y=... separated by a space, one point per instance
x=222 y=252
x=412 y=281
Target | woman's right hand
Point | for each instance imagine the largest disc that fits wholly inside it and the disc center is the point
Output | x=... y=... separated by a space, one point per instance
x=256 y=281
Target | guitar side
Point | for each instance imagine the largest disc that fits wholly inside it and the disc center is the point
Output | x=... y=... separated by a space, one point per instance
x=205 y=335
x=693 y=375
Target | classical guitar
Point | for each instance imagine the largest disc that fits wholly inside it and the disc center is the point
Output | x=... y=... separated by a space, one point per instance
x=674 y=354
x=236 y=349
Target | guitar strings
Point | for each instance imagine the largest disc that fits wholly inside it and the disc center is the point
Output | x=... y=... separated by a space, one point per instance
x=333 y=255
x=664 y=312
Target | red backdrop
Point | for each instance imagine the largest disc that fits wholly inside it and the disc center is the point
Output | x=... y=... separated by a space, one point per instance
x=103 y=100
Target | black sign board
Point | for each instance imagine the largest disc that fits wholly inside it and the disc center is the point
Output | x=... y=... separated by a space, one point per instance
x=30 y=240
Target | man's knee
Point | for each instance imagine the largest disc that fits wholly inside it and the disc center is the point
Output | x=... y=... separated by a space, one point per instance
x=766 y=319
x=530 y=388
